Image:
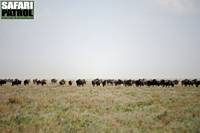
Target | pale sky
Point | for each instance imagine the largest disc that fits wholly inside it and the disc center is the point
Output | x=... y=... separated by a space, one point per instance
x=103 y=38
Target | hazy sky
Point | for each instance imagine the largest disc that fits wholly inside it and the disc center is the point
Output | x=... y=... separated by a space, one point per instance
x=103 y=38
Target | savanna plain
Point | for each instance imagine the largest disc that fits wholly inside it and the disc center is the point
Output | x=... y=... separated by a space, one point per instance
x=55 y=108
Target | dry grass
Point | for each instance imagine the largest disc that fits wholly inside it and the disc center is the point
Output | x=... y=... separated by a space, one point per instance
x=110 y=109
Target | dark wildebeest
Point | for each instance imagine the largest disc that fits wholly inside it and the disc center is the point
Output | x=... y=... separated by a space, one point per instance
x=70 y=82
x=110 y=82
x=62 y=82
x=16 y=82
x=196 y=82
x=128 y=82
x=186 y=82
x=139 y=82
x=162 y=82
x=35 y=81
x=167 y=83
x=96 y=82
x=152 y=82
x=80 y=82
x=118 y=82
x=170 y=83
x=104 y=83
x=2 y=82
x=176 y=82
x=53 y=81
x=27 y=81
x=38 y=82
x=42 y=82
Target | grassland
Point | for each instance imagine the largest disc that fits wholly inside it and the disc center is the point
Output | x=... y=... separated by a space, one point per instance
x=54 y=108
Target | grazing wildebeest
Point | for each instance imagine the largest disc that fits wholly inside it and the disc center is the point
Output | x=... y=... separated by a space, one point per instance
x=175 y=82
x=167 y=83
x=93 y=83
x=42 y=82
x=62 y=82
x=104 y=83
x=118 y=82
x=170 y=83
x=162 y=83
x=35 y=81
x=2 y=82
x=53 y=81
x=186 y=82
x=38 y=82
x=152 y=82
x=128 y=82
x=96 y=82
x=80 y=82
x=139 y=82
x=110 y=82
x=70 y=82
x=27 y=81
x=16 y=82
x=196 y=82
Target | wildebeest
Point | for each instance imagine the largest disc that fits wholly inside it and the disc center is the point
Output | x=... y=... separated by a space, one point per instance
x=186 y=82
x=118 y=82
x=27 y=81
x=2 y=82
x=41 y=82
x=35 y=81
x=193 y=82
x=93 y=83
x=80 y=82
x=96 y=82
x=110 y=82
x=62 y=82
x=70 y=82
x=176 y=82
x=139 y=82
x=152 y=82
x=196 y=82
x=128 y=82
x=53 y=81
x=167 y=83
x=104 y=82
x=16 y=82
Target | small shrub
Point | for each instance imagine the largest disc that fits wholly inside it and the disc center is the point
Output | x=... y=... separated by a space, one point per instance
x=15 y=100
x=19 y=100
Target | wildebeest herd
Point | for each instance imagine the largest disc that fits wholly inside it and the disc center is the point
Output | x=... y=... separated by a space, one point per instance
x=106 y=82
x=144 y=82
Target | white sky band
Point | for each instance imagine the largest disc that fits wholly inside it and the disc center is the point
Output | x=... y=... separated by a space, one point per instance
x=104 y=39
